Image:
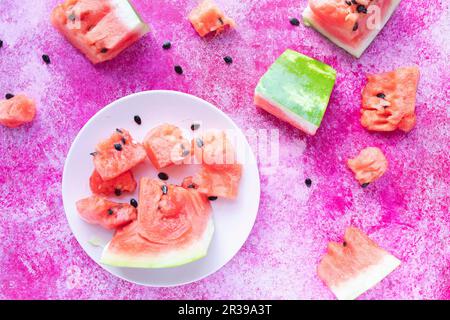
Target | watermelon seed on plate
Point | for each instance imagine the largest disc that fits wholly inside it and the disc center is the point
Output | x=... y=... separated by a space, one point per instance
x=118 y=146
x=46 y=58
x=138 y=120
x=294 y=22
x=93 y=153
x=110 y=212
x=104 y=50
x=9 y=96
x=134 y=203
x=119 y=131
x=118 y=192
x=228 y=60
x=163 y=176
x=212 y=198
x=195 y=126
x=178 y=69
x=361 y=9
x=355 y=26
x=124 y=141
x=308 y=182
x=167 y=45
x=199 y=142
x=164 y=189
x=381 y=95
x=365 y=185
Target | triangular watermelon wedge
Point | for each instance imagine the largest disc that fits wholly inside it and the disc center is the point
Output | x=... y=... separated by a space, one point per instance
x=351 y=268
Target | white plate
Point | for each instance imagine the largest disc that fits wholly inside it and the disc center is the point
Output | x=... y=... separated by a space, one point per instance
x=233 y=219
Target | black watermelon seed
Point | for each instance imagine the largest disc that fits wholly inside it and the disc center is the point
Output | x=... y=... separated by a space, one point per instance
x=294 y=21
x=119 y=131
x=308 y=182
x=46 y=58
x=138 y=120
x=381 y=95
x=117 y=192
x=104 y=50
x=228 y=60
x=191 y=186
x=349 y=3
x=93 y=153
x=178 y=69
x=163 y=176
x=124 y=141
x=9 y=96
x=195 y=126
x=365 y=185
x=118 y=146
x=1 y=43
x=164 y=189
x=110 y=211
x=134 y=203
x=355 y=26
x=72 y=17
x=199 y=142
x=212 y=198
x=344 y=244
x=167 y=45
x=354 y=2
x=361 y=9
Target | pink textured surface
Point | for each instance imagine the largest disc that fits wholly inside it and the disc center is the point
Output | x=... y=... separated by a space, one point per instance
x=406 y=212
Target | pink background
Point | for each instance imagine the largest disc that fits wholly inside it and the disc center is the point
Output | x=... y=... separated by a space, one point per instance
x=406 y=212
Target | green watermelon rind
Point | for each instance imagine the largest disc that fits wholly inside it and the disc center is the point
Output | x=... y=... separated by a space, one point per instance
x=308 y=20
x=191 y=253
x=142 y=28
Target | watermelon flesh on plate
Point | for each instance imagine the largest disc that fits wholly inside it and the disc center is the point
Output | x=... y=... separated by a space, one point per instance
x=296 y=89
x=17 y=111
x=166 y=146
x=352 y=25
x=207 y=18
x=174 y=227
x=123 y=183
x=101 y=29
x=389 y=100
x=354 y=266
x=117 y=155
x=108 y=214
x=369 y=165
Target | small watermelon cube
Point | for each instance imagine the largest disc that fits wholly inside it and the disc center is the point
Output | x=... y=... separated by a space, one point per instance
x=17 y=111
x=219 y=181
x=123 y=183
x=354 y=266
x=117 y=155
x=352 y=25
x=296 y=89
x=101 y=29
x=208 y=18
x=369 y=165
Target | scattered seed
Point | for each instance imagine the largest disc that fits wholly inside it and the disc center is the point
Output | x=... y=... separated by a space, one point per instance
x=195 y=126
x=93 y=153
x=134 y=203
x=228 y=60
x=117 y=192
x=124 y=141
x=164 y=189
x=191 y=186
x=163 y=176
x=349 y=3
x=365 y=185
x=119 y=131
x=167 y=45
x=294 y=22
x=381 y=95
x=199 y=142
x=46 y=58
x=104 y=50
x=138 y=120
x=178 y=69
x=212 y=198
x=1 y=43
x=308 y=182
x=355 y=26
x=118 y=146
x=361 y=9
x=110 y=211
x=9 y=96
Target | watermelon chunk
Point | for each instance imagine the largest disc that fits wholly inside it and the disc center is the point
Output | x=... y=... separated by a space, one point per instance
x=120 y=184
x=219 y=181
x=166 y=146
x=352 y=25
x=389 y=100
x=17 y=111
x=117 y=155
x=174 y=227
x=101 y=29
x=108 y=214
x=296 y=89
x=207 y=18
x=369 y=165
x=351 y=268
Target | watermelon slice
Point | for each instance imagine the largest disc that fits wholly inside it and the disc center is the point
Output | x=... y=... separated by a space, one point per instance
x=351 y=268
x=17 y=111
x=123 y=183
x=352 y=25
x=389 y=99
x=208 y=18
x=219 y=181
x=296 y=89
x=369 y=165
x=117 y=155
x=108 y=214
x=166 y=146
x=174 y=227
x=101 y=29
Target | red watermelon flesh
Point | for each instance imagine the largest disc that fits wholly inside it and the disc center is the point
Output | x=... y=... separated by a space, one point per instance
x=354 y=266
x=217 y=181
x=174 y=227
x=17 y=111
x=188 y=183
x=369 y=165
x=207 y=18
x=108 y=214
x=213 y=148
x=389 y=100
x=117 y=155
x=101 y=29
x=120 y=184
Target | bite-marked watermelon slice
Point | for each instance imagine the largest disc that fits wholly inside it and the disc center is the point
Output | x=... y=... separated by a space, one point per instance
x=123 y=183
x=369 y=165
x=17 y=111
x=389 y=100
x=174 y=227
x=101 y=29
x=352 y=25
x=219 y=181
x=207 y=18
x=296 y=89
x=166 y=146
x=117 y=155
x=108 y=214
x=354 y=266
